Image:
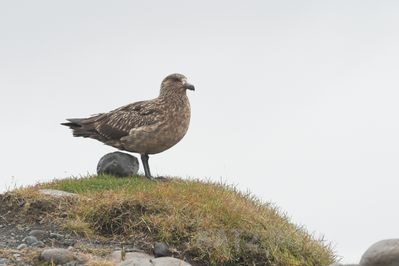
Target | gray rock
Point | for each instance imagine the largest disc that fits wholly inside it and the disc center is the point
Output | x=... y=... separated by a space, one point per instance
x=57 y=193
x=39 y=234
x=22 y=246
x=4 y=262
x=69 y=242
x=340 y=264
x=116 y=256
x=136 y=262
x=169 y=261
x=161 y=250
x=38 y=244
x=57 y=256
x=56 y=236
x=30 y=240
x=118 y=164
x=382 y=253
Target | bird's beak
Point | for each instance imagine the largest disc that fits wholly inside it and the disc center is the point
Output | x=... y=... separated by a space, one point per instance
x=189 y=86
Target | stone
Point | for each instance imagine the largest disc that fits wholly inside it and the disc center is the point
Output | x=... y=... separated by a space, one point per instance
x=136 y=262
x=161 y=250
x=30 y=240
x=22 y=246
x=56 y=236
x=57 y=193
x=39 y=234
x=382 y=253
x=118 y=164
x=116 y=256
x=4 y=262
x=169 y=261
x=57 y=255
x=38 y=244
x=339 y=264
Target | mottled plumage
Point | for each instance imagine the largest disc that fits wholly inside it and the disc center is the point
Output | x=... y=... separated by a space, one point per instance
x=146 y=127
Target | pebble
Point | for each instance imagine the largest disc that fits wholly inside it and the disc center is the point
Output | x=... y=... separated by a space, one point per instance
x=38 y=244
x=161 y=250
x=30 y=240
x=22 y=246
x=56 y=236
x=4 y=262
x=39 y=234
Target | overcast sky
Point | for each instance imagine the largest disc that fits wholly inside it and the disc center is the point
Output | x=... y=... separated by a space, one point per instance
x=296 y=101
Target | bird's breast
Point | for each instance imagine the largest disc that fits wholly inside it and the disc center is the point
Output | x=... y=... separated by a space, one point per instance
x=169 y=130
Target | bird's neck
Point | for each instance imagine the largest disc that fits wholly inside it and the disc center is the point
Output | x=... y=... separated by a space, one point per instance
x=173 y=96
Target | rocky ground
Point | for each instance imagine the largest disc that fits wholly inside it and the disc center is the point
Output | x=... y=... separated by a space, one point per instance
x=34 y=240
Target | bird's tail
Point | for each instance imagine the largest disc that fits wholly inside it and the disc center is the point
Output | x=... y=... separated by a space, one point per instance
x=80 y=127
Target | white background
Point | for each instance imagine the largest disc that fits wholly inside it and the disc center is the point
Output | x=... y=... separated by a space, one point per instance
x=296 y=101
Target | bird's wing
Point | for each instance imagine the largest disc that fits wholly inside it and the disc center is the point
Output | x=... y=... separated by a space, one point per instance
x=118 y=123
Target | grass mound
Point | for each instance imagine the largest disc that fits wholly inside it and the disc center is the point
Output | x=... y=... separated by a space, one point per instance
x=207 y=222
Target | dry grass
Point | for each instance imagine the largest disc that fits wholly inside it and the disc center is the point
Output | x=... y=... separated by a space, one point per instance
x=207 y=222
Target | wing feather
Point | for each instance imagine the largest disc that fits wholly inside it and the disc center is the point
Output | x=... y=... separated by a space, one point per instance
x=118 y=123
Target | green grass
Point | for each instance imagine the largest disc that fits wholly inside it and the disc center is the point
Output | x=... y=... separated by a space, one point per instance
x=101 y=183
x=210 y=223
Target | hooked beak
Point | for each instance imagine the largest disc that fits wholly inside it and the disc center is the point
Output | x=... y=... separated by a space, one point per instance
x=189 y=86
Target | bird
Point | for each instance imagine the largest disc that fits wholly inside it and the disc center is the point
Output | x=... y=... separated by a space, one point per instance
x=143 y=127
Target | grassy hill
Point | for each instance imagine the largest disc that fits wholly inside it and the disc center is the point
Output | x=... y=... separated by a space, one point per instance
x=204 y=222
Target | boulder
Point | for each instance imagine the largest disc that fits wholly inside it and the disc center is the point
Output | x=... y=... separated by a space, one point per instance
x=118 y=164
x=382 y=253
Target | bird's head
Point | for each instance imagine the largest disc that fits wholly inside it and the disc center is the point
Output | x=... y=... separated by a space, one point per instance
x=175 y=84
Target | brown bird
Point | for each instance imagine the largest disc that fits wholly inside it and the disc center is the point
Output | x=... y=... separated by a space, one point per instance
x=145 y=127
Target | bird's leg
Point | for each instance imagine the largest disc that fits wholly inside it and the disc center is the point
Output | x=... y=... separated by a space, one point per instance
x=144 y=160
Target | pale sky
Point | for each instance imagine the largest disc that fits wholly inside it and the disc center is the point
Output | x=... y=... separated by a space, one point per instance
x=296 y=101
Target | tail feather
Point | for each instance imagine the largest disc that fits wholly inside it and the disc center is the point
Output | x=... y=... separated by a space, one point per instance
x=80 y=128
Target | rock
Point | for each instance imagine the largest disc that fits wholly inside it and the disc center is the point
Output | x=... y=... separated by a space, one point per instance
x=169 y=261
x=22 y=246
x=136 y=262
x=4 y=262
x=116 y=256
x=382 y=253
x=57 y=255
x=57 y=193
x=69 y=242
x=118 y=164
x=339 y=264
x=161 y=250
x=38 y=244
x=39 y=234
x=30 y=240
x=56 y=236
